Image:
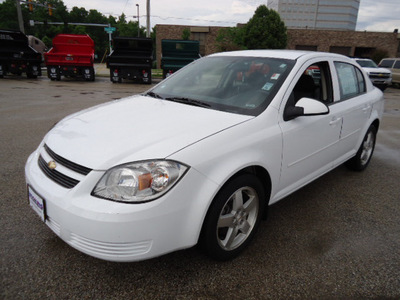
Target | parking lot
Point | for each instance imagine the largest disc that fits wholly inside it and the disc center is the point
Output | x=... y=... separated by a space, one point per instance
x=336 y=238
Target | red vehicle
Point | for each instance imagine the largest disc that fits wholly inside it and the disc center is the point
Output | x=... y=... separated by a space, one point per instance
x=72 y=55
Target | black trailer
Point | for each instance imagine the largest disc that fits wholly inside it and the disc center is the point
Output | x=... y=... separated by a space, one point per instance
x=132 y=58
x=178 y=53
x=16 y=56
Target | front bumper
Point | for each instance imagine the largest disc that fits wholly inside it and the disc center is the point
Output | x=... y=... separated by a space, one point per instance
x=119 y=231
x=377 y=81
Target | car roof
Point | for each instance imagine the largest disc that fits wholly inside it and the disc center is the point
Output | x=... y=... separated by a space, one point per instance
x=283 y=54
x=355 y=58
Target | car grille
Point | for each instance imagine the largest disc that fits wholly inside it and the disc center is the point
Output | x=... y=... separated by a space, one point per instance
x=66 y=163
x=58 y=177
x=379 y=75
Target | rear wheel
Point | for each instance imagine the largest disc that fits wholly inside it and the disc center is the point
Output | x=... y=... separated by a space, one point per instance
x=364 y=154
x=233 y=217
x=2 y=71
x=89 y=74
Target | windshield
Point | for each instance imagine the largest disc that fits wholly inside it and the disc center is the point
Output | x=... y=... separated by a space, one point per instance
x=367 y=63
x=243 y=85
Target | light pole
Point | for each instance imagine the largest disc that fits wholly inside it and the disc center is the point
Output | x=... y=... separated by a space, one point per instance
x=20 y=20
x=148 y=18
x=138 y=26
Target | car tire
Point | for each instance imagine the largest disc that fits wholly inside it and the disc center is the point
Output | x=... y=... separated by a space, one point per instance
x=233 y=217
x=364 y=154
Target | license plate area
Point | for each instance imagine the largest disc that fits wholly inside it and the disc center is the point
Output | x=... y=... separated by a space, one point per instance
x=37 y=203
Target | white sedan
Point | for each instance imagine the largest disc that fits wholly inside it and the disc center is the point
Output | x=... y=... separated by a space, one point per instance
x=198 y=158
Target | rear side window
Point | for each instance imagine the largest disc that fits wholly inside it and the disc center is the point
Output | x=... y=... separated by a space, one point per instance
x=361 y=82
x=386 y=63
x=351 y=80
x=397 y=65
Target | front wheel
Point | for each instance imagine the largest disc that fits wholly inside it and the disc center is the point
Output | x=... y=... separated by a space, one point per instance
x=233 y=217
x=364 y=154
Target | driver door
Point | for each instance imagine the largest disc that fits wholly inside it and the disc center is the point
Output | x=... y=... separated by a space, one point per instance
x=309 y=142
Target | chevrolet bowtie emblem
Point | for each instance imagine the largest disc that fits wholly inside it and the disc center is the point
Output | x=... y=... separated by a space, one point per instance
x=52 y=165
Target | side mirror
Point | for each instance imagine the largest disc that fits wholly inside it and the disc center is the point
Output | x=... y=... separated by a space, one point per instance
x=305 y=107
x=312 y=107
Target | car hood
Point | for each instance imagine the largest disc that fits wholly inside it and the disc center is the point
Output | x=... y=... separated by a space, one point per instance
x=133 y=129
x=376 y=70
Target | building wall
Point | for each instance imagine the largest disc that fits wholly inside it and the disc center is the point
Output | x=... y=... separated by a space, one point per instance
x=356 y=42
x=351 y=43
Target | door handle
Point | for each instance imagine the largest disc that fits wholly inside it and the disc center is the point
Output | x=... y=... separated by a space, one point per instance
x=334 y=121
x=367 y=108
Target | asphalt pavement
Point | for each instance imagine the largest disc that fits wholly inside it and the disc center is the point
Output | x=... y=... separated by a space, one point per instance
x=336 y=238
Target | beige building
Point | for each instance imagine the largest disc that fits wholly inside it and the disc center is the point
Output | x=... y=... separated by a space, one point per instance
x=351 y=43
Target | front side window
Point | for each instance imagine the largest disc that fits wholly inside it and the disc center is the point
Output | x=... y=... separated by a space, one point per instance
x=351 y=81
x=397 y=65
x=243 y=85
x=314 y=83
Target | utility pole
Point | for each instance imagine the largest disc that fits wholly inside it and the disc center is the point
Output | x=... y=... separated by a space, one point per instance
x=138 y=25
x=148 y=19
x=20 y=20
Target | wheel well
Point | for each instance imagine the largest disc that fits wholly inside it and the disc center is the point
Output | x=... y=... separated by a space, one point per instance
x=263 y=175
x=376 y=124
x=265 y=179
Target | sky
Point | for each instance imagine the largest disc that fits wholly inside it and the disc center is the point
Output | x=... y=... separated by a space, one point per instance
x=373 y=15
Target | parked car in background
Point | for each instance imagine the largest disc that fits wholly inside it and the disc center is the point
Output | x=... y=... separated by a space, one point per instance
x=392 y=64
x=17 y=56
x=131 y=58
x=199 y=157
x=72 y=55
x=175 y=54
x=380 y=77
x=37 y=44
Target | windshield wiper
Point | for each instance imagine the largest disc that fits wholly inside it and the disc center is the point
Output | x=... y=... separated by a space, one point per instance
x=154 y=95
x=188 y=101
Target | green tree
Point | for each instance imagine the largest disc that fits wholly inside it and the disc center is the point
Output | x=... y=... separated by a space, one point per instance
x=129 y=29
x=265 y=30
x=186 y=34
x=8 y=13
x=59 y=13
x=230 y=39
x=78 y=15
x=378 y=55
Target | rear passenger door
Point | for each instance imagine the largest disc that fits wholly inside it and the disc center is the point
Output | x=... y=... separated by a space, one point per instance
x=354 y=106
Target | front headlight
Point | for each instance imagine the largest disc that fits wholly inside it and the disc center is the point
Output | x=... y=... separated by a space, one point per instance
x=139 y=181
